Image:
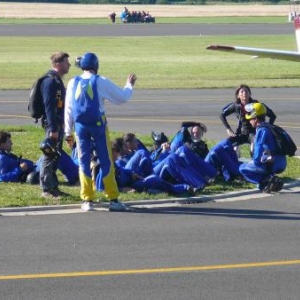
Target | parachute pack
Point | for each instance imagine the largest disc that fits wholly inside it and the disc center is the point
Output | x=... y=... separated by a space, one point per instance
x=36 y=106
x=85 y=105
x=285 y=144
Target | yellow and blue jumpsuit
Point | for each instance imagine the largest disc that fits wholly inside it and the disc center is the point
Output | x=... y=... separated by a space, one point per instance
x=91 y=132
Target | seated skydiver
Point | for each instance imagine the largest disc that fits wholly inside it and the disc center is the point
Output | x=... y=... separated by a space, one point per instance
x=139 y=161
x=130 y=145
x=12 y=167
x=127 y=178
x=17 y=169
x=191 y=138
x=123 y=15
x=266 y=162
x=161 y=147
x=185 y=166
x=224 y=158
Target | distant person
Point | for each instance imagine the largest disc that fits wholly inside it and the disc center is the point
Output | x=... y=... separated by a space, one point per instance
x=112 y=17
x=124 y=15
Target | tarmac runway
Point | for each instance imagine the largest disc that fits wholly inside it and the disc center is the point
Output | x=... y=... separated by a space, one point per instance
x=144 y=29
x=164 y=110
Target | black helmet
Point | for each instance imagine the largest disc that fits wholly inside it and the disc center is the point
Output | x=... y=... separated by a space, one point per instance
x=48 y=147
x=33 y=177
x=159 y=138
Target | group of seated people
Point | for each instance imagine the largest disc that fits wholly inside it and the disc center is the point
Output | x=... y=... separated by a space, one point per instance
x=18 y=169
x=127 y=16
x=183 y=165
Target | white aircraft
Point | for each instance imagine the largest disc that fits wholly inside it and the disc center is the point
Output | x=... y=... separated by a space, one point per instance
x=261 y=52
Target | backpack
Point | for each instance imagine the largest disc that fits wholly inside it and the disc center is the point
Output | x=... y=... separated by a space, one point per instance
x=85 y=103
x=36 y=106
x=285 y=144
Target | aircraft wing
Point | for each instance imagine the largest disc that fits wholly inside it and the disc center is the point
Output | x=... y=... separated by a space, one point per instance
x=259 y=52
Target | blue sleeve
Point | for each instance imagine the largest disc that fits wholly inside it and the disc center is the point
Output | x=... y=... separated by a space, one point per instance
x=30 y=164
x=9 y=169
x=142 y=146
x=160 y=158
x=264 y=140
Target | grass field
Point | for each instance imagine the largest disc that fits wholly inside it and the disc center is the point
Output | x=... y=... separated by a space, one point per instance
x=27 y=138
x=184 y=64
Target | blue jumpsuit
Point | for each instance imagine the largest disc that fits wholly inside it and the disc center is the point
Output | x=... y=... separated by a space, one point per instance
x=257 y=171
x=10 y=170
x=124 y=178
x=223 y=157
x=140 y=163
x=184 y=166
x=85 y=113
x=53 y=91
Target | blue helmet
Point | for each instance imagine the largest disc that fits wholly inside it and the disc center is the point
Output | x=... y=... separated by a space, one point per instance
x=89 y=61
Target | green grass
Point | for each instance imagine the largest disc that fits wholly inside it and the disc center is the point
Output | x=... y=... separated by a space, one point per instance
x=158 y=20
x=159 y=62
x=26 y=140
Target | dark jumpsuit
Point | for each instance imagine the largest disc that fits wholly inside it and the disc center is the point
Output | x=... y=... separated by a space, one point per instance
x=53 y=91
x=244 y=132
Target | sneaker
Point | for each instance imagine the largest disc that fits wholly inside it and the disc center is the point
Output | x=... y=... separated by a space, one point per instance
x=116 y=205
x=263 y=184
x=58 y=193
x=50 y=195
x=275 y=184
x=192 y=191
x=87 y=206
